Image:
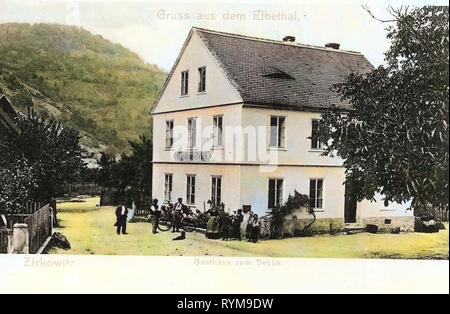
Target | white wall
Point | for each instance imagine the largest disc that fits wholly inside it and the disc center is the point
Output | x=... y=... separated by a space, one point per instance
x=232 y=116
x=230 y=183
x=255 y=187
x=367 y=208
x=298 y=128
x=219 y=90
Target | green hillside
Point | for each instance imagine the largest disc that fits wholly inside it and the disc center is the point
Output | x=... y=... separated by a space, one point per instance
x=83 y=80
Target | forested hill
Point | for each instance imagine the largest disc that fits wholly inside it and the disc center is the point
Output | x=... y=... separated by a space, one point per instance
x=81 y=79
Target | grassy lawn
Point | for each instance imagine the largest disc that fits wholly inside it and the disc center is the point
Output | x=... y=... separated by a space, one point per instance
x=90 y=230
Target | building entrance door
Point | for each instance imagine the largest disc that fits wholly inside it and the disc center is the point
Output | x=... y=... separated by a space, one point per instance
x=351 y=204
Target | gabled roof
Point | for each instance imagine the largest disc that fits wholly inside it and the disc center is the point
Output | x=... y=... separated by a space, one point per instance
x=283 y=74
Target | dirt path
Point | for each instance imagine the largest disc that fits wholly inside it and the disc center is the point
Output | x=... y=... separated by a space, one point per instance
x=90 y=230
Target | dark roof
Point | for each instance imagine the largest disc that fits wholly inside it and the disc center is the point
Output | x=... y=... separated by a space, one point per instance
x=268 y=72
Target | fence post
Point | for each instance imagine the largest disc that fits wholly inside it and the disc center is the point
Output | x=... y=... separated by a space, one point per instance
x=51 y=220
x=20 y=239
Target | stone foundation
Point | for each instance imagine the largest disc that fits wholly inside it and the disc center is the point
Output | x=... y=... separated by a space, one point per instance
x=294 y=226
x=388 y=224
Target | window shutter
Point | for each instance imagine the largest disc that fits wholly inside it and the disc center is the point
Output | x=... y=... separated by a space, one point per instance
x=282 y=132
x=271 y=194
x=188 y=189
x=273 y=131
x=312 y=193
x=213 y=191
x=219 y=191
x=193 y=190
x=194 y=133
x=219 y=132
x=279 y=200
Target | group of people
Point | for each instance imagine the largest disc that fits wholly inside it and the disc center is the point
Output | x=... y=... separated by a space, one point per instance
x=179 y=212
x=231 y=228
x=230 y=225
x=253 y=227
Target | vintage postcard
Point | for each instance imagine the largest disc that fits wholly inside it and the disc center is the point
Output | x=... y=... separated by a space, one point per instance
x=248 y=142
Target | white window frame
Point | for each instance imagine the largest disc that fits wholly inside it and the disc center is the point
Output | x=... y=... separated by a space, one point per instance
x=280 y=132
x=168 y=187
x=190 y=188
x=185 y=83
x=215 y=190
x=279 y=195
x=319 y=145
x=202 y=79
x=218 y=131
x=169 y=133
x=316 y=198
x=192 y=133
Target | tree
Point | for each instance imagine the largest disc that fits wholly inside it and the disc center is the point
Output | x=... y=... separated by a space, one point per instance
x=137 y=169
x=394 y=141
x=17 y=182
x=54 y=153
x=131 y=176
x=17 y=177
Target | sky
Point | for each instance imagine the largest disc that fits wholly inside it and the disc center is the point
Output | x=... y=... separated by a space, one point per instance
x=156 y=30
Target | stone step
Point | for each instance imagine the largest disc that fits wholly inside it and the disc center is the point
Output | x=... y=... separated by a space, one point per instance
x=354 y=228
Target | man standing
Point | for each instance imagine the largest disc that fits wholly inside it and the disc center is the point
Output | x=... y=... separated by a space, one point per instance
x=121 y=216
x=156 y=212
x=256 y=227
x=248 y=229
x=237 y=224
x=177 y=215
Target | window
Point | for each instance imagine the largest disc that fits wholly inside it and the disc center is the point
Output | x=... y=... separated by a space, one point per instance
x=315 y=142
x=192 y=132
x=275 y=193
x=190 y=189
x=202 y=79
x=216 y=191
x=217 y=131
x=277 y=132
x=168 y=187
x=169 y=134
x=184 y=83
x=316 y=193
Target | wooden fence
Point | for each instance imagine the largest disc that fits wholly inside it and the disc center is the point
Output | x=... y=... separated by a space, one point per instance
x=142 y=212
x=82 y=189
x=40 y=227
x=143 y=207
x=32 y=207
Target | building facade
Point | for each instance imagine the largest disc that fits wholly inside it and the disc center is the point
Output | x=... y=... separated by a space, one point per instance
x=236 y=124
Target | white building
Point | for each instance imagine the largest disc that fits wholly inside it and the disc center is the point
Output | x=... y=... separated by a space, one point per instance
x=235 y=124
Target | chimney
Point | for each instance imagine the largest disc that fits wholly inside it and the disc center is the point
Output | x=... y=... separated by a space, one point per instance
x=289 y=39
x=333 y=45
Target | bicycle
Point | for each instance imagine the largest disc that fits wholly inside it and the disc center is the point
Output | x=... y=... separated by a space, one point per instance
x=165 y=221
x=189 y=223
